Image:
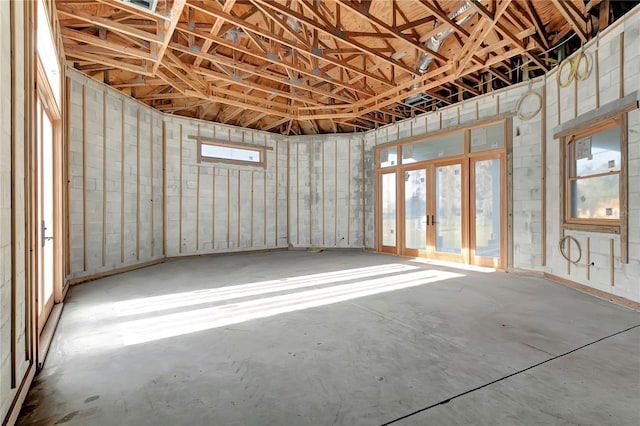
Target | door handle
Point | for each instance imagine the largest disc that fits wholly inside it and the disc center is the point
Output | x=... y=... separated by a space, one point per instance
x=43 y=230
x=427 y=220
x=433 y=219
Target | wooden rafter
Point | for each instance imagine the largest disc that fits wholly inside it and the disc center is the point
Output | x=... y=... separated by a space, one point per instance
x=308 y=66
x=166 y=29
x=573 y=17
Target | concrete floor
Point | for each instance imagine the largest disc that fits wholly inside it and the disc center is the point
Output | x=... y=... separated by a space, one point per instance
x=346 y=338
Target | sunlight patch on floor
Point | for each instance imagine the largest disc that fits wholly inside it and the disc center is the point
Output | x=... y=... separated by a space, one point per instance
x=181 y=323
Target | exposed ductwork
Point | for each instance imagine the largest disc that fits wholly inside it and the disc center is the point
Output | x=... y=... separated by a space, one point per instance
x=434 y=44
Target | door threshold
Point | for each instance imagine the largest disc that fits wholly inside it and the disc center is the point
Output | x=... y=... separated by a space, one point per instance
x=46 y=337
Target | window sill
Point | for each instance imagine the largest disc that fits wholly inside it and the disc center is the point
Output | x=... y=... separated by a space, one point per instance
x=604 y=229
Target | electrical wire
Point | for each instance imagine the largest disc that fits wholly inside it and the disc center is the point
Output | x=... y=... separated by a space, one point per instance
x=522 y=98
x=561 y=245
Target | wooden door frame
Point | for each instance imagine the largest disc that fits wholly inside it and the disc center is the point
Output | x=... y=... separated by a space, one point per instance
x=463 y=257
x=44 y=95
x=479 y=260
x=379 y=246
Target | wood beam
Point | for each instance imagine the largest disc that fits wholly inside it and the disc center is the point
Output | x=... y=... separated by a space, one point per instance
x=579 y=25
x=107 y=23
x=215 y=29
x=507 y=33
x=289 y=43
x=332 y=32
x=121 y=48
x=166 y=32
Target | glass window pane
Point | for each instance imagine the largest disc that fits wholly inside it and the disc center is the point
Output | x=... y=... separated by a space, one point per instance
x=230 y=153
x=415 y=209
x=487 y=195
x=389 y=209
x=598 y=153
x=47 y=52
x=449 y=209
x=438 y=147
x=596 y=197
x=485 y=138
x=388 y=157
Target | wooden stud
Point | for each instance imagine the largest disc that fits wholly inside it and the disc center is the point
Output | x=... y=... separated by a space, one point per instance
x=543 y=177
x=164 y=188
x=624 y=189
x=104 y=177
x=558 y=103
x=497 y=104
x=611 y=265
x=264 y=209
x=228 y=206
x=621 y=78
x=66 y=178
x=335 y=193
x=180 y=193
x=276 y=194
x=238 y=200
x=297 y=194
x=84 y=178
x=198 y=201
x=138 y=183
x=122 y=168
x=213 y=208
x=575 y=97
x=198 y=167
x=310 y=173
x=251 y=210
x=288 y=196
x=151 y=184
x=12 y=182
x=596 y=62
x=588 y=258
x=364 y=201
x=349 y=193
x=322 y=145
x=568 y=242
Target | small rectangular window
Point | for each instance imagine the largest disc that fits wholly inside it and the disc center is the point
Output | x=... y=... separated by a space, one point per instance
x=593 y=176
x=231 y=153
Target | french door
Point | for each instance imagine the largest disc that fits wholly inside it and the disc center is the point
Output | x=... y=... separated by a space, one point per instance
x=452 y=210
x=433 y=211
x=44 y=204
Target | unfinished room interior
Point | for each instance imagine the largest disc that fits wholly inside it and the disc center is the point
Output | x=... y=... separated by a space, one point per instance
x=319 y=212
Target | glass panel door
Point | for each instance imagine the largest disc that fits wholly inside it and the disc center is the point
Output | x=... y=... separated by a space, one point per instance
x=388 y=212
x=45 y=214
x=487 y=218
x=448 y=211
x=415 y=212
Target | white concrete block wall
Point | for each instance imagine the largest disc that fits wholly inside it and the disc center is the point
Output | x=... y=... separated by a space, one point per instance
x=115 y=155
x=610 y=61
x=326 y=191
x=12 y=202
